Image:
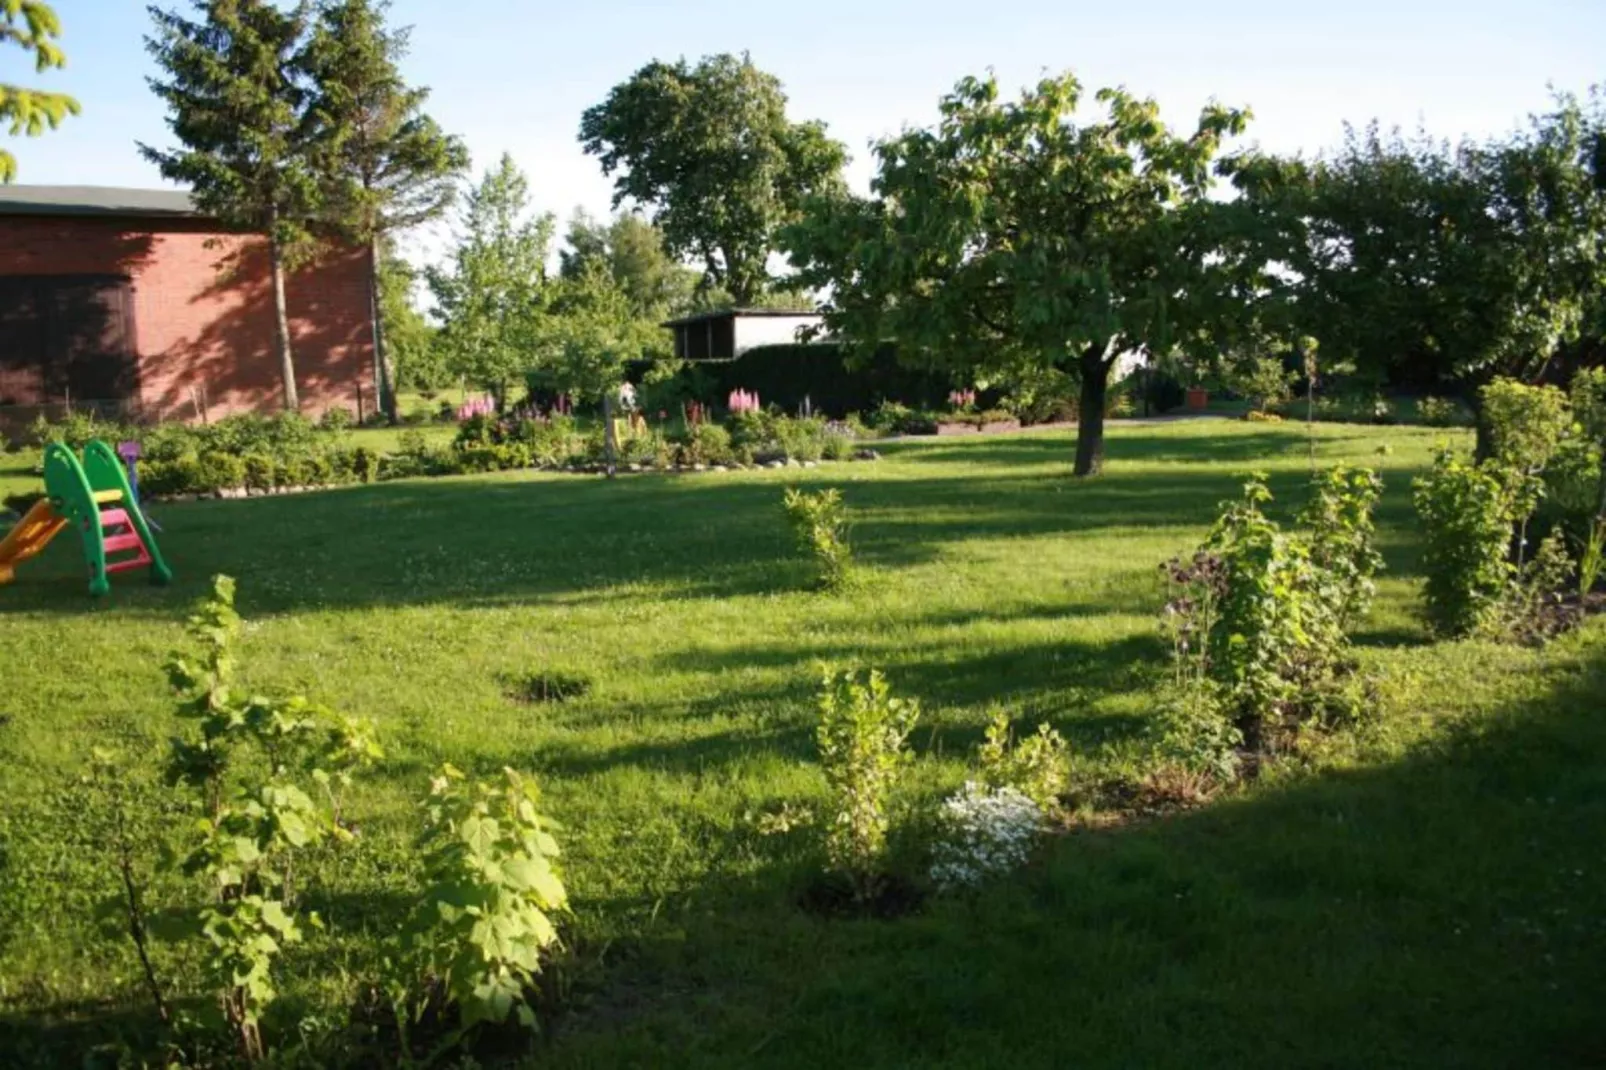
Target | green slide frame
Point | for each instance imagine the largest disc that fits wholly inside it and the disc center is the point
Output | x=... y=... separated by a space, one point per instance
x=72 y=487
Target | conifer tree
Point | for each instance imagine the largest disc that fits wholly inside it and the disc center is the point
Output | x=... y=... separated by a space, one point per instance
x=384 y=165
x=34 y=27
x=236 y=103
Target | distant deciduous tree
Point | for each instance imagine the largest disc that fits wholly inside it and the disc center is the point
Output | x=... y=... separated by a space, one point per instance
x=492 y=296
x=709 y=150
x=1011 y=234
x=33 y=26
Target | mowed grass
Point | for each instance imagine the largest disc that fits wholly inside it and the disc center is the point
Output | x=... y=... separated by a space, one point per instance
x=1428 y=892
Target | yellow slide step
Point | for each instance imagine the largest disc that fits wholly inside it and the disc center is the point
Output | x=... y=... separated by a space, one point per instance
x=106 y=497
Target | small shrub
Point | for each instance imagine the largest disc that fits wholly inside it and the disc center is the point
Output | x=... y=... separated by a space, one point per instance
x=1194 y=731
x=485 y=921
x=1466 y=519
x=259 y=470
x=1533 y=610
x=705 y=443
x=838 y=448
x=1038 y=766
x=1440 y=412
x=1342 y=540
x=254 y=766
x=1263 y=380
x=801 y=439
x=986 y=832
x=1526 y=424
x=364 y=464
x=222 y=471
x=820 y=525
x=862 y=733
x=336 y=419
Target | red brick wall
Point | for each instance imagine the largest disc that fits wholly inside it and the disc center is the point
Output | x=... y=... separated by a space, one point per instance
x=203 y=311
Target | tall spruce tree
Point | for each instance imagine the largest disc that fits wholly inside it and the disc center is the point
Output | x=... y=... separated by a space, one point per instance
x=385 y=166
x=236 y=103
x=33 y=26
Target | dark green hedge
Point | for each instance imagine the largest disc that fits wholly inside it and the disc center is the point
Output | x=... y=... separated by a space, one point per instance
x=785 y=375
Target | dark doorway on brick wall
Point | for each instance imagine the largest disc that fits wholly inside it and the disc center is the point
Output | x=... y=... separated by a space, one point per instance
x=67 y=339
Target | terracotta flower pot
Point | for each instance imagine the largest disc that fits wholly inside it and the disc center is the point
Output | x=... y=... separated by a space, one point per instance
x=1198 y=398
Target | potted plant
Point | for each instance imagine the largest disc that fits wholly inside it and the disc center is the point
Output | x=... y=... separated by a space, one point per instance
x=1197 y=398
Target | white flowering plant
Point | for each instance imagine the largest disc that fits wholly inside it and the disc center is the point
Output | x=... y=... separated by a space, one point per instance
x=987 y=831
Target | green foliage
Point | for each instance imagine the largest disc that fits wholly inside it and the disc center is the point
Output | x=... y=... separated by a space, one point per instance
x=1440 y=412
x=704 y=444
x=1412 y=256
x=1466 y=514
x=1258 y=621
x=1532 y=611
x=1526 y=424
x=236 y=103
x=487 y=915
x=633 y=253
x=1263 y=380
x=1592 y=557
x=409 y=337
x=820 y=525
x=1038 y=766
x=1011 y=233
x=1342 y=537
x=492 y=297
x=710 y=150
x=34 y=27
x=249 y=766
x=862 y=734
x=383 y=166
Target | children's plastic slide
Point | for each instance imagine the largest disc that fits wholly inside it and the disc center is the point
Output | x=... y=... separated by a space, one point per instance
x=94 y=497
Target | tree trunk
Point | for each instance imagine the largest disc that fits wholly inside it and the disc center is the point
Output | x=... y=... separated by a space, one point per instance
x=281 y=325
x=1090 y=412
x=383 y=380
x=610 y=434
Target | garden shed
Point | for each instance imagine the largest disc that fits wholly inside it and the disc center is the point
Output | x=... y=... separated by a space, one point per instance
x=728 y=334
x=134 y=303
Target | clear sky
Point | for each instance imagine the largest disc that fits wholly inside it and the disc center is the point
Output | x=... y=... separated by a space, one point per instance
x=515 y=75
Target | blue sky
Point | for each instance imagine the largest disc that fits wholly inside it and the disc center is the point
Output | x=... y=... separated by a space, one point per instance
x=516 y=74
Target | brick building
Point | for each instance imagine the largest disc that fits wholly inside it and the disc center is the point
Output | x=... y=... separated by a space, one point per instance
x=131 y=301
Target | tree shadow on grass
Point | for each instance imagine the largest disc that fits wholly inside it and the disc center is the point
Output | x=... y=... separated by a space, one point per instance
x=1440 y=910
x=514 y=540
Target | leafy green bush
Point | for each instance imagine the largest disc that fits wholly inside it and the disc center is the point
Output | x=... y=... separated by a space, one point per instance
x=838 y=447
x=705 y=444
x=1342 y=540
x=1440 y=412
x=486 y=918
x=1262 y=380
x=253 y=769
x=862 y=733
x=801 y=439
x=336 y=419
x=1257 y=621
x=1467 y=519
x=820 y=525
x=259 y=470
x=1038 y=766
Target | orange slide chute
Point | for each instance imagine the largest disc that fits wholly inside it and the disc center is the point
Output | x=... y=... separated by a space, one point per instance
x=32 y=534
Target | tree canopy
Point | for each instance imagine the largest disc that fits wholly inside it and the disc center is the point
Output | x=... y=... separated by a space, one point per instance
x=236 y=102
x=385 y=166
x=1421 y=261
x=1010 y=233
x=492 y=296
x=709 y=150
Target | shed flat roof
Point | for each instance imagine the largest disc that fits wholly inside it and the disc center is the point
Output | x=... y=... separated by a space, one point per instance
x=733 y=313
x=94 y=200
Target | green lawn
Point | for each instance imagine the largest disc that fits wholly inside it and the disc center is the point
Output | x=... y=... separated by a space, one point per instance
x=1429 y=894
